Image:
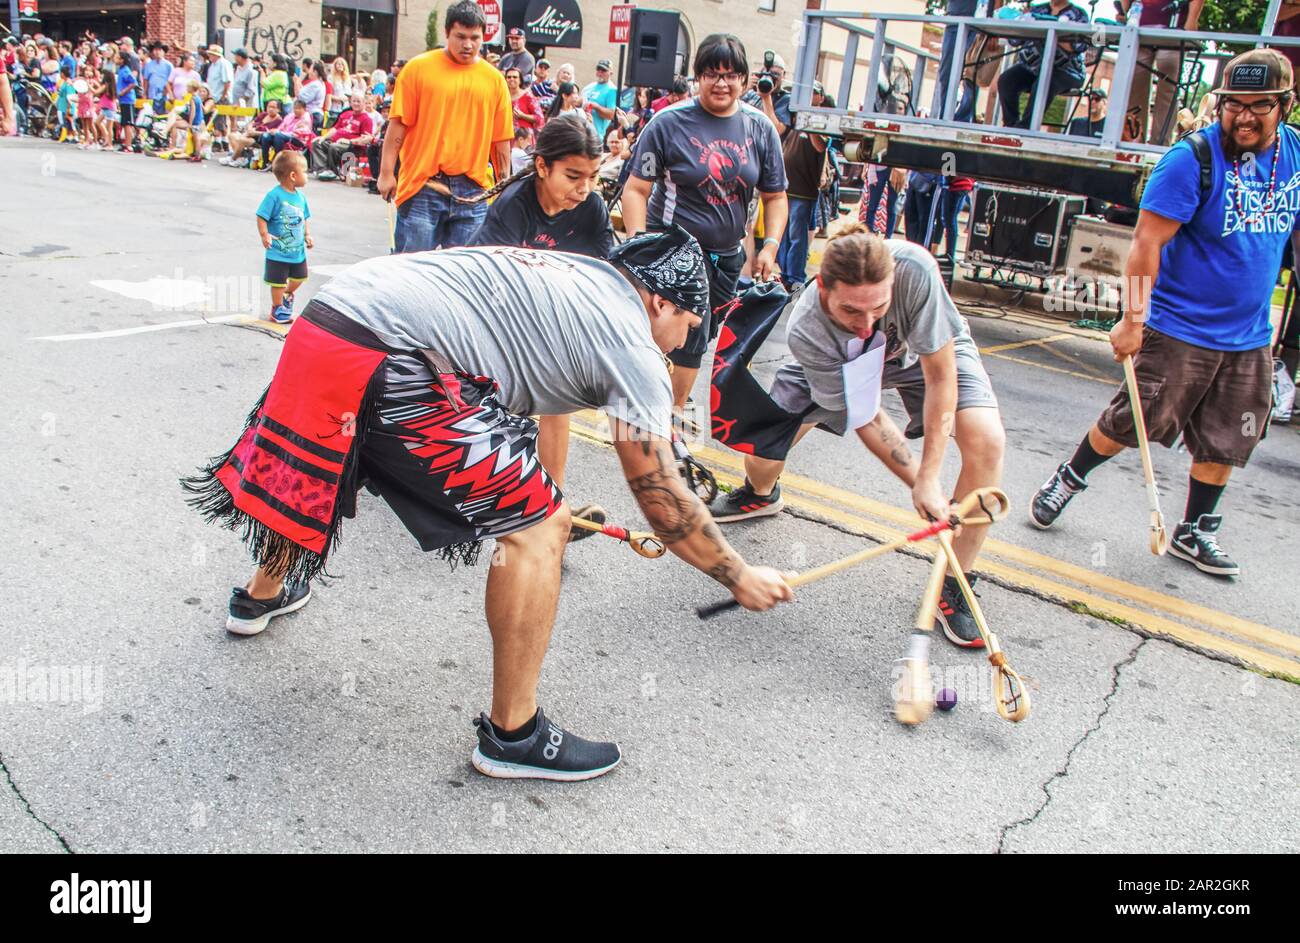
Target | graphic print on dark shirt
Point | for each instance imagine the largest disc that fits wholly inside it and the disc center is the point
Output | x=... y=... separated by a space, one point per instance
x=516 y=218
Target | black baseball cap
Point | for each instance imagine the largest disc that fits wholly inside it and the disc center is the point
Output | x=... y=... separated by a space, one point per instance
x=604 y=64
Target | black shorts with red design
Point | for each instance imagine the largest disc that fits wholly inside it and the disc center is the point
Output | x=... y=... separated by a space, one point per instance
x=450 y=461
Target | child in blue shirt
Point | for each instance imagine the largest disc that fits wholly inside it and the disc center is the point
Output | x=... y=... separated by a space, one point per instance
x=282 y=224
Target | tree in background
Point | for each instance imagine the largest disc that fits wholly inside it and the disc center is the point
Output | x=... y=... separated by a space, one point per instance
x=432 y=38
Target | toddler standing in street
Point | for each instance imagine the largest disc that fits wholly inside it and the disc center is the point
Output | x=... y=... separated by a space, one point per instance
x=282 y=224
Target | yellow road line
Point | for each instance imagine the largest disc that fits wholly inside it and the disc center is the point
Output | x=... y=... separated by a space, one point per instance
x=1030 y=343
x=1049 y=367
x=818 y=493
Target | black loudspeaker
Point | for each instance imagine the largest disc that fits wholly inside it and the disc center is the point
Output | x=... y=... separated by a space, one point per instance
x=652 y=49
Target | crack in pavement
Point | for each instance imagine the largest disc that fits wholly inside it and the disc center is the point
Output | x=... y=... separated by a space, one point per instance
x=1069 y=756
x=30 y=811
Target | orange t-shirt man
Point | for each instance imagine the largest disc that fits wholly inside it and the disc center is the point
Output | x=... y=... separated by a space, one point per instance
x=453 y=115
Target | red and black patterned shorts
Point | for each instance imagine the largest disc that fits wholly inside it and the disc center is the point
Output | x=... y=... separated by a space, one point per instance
x=448 y=458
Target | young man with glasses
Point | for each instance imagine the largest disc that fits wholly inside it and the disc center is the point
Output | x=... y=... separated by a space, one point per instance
x=698 y=163
x=1200 y=280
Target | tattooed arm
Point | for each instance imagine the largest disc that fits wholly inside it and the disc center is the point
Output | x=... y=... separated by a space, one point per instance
x=884 y=440
x=683 y=523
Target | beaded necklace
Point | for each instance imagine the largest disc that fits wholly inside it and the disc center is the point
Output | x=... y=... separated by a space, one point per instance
x=1267 y=204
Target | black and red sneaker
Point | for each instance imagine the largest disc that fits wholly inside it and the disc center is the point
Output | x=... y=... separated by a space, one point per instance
x=955 y=618
x=743 y=504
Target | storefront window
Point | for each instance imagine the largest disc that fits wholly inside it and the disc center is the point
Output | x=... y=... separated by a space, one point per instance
x=364 y=38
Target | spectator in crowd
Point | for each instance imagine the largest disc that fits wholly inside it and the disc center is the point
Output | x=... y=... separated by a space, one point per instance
x=517 y=57
x=567 y=101
x=1091 y=124
x=642 y=109
x=543 y=89
x=246 y=87
x=340 y=86
x=277 y=85
x=707 y=189
x=520 y=158
x=374 y=153
x=376 y=119
x=313 y=94
x=956 y=194
x=65 y=104
x=282 y=224
x=353 y=129
x=922 y=191
x=295 y=132
x=127 y=83
x=805 y=161
x=680 y=91
x=220 y=80
x=156 y=75
x=188 y=119
x=66 y=58
x=600 y=99
x=1164 y=64
x=776 y=102
x=527 y=113
x=127 y=45
x=379 y=84
x=450 y=116
x=263 y=122
x=565 y=73
x=964 y=110
x=86 y=106
x=181 y=77
x=106 y=95
x=1067 y=64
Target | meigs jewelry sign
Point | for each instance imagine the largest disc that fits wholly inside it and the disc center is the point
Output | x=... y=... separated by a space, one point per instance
x=554 y=23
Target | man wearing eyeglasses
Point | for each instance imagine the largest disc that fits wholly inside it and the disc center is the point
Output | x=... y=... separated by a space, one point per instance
x=1199 y=285
x=698 y=163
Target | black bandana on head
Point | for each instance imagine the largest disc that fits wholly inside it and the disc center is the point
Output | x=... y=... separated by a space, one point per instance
x=669 y=263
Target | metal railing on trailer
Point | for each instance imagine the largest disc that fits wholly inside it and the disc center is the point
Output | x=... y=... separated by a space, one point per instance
x=1108 y=168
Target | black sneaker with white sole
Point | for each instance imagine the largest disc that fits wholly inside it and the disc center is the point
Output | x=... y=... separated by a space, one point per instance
x=743 y=503
x=1054 y=495
x=1198 y=544
x=955 y=618
x=550 y=752
x=588 y=512
x=248 y=616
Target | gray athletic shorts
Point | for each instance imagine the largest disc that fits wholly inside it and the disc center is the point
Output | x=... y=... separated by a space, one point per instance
x=791 y=391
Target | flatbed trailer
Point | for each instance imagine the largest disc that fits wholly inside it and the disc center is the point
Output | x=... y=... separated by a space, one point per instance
x=1108 y=168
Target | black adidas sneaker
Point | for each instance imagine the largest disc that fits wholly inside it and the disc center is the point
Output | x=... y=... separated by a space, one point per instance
x=743 y=504
x=955 y=618
x=550 y=752
x=248 y=616
x=1054 y=495
x=1198 y=544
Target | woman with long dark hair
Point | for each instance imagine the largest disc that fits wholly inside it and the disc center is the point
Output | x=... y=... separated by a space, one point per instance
x=555 y=204
x=567 y=101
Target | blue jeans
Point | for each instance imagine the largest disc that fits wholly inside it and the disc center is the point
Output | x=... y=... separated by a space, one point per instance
x=953 y=201
x=965 y=107
x=429 y=219
x=792 y=256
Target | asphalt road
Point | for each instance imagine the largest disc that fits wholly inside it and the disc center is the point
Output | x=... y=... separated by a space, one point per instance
x=346 y=727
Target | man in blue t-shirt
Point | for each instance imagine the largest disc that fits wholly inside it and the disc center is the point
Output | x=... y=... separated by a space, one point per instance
x=601 y=98
x=1210 y=259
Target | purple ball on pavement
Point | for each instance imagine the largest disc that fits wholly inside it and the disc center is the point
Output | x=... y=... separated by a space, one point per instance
x=946 y=700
